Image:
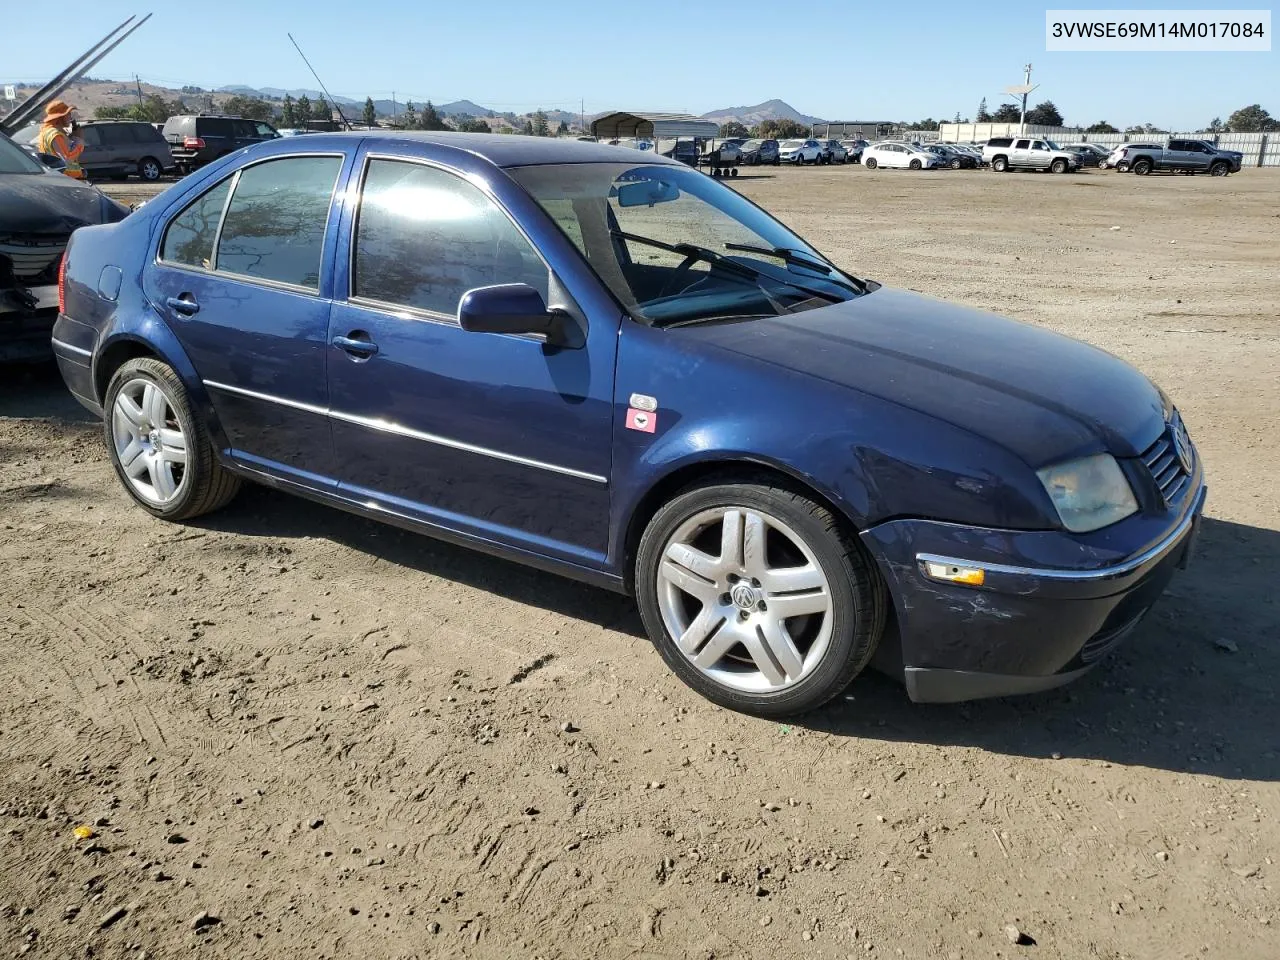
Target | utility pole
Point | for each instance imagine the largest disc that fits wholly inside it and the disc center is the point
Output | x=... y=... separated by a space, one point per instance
x=394 y=113
x=138 y=84
x=1020 y=94
x=582 y=115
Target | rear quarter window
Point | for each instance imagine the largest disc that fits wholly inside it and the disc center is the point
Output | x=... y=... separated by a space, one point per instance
x=999 y=142
x=189 y=238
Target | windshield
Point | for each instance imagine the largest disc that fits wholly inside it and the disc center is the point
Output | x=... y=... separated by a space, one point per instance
x=1051 y=145
x=752 y=145
x=675 y=246
x=13 y=159
x=791 y=144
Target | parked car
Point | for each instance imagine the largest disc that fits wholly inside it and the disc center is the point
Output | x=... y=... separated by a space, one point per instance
x=951 y=157
x=1090 y=154
x=833 y=151
x=39 y=209
x=116 y=149
x=758 y=152
x=1180 y=156
x=800 y=151
x=1028 y=153
x=539 y=365
x=723 y=153
x=854 y=149
x=1116 y=158
x=197 y=140
x=900 y=155
x=685 y=151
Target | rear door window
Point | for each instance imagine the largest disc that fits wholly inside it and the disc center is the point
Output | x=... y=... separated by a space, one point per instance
x=115 y=134
x=275 y=223
x=215 y=127
x=1022 y=145
x=425 y=237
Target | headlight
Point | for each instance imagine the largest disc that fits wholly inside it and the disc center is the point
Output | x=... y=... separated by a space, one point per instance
x=1089 y=493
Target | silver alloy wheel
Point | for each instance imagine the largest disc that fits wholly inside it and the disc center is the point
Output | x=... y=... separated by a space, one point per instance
x=756 y=617
x=149 y=441
x=150 y=170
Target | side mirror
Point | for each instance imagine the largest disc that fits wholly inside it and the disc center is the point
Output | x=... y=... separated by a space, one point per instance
x=512 y=308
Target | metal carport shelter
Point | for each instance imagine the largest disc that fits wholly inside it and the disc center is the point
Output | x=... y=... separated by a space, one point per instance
x=653 y=126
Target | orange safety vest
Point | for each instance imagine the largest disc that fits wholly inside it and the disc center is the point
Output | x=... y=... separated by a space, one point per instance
x=55 y=142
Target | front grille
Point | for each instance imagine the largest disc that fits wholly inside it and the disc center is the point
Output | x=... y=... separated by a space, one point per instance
x=1165 y=461
x=34 y=257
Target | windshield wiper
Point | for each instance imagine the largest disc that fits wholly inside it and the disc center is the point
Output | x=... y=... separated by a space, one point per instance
x=708 y=255
x=799 y=259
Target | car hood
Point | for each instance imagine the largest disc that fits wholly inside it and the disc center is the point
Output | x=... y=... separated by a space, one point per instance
x=1042 y=396
x=50 y=203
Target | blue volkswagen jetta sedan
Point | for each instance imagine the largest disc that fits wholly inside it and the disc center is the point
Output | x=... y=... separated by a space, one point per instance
x=616 y=368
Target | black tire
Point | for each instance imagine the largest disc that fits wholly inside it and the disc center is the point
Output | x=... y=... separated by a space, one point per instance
x=149 y=169
x=1141 y=167
x=1219 y=169
x=207 y=485
x=1058 y=166
x=733 y=172
x=777 y=161
x=915 y=164
x=870 y=163
x=999 y=164
x=859 y=601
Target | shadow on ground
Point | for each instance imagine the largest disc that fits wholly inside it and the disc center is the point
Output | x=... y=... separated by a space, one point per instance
x=1193 y=690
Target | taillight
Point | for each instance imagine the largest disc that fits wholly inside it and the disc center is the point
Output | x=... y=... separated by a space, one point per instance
x=193 y=143
x=62 y=284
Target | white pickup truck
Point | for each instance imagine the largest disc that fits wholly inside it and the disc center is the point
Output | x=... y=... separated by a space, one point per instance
x=1028 y=153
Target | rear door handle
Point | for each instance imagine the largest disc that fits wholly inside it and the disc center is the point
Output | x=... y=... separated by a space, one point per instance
x=185 y=305
x=356 y=347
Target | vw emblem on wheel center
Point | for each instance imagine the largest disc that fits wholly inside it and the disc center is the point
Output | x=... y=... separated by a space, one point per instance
x=744 y=596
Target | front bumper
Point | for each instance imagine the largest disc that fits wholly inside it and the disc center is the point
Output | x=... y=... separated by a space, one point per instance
x=1051 y=606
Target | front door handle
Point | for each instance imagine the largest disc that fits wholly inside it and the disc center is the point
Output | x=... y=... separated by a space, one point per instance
x=357 y=345
x=185 y=305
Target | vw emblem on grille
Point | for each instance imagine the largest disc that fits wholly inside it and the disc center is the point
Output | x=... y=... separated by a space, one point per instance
x=744 y=596
x=1182 y=444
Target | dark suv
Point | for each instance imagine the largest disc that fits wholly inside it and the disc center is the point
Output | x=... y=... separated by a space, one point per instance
x=197 y=140
x=757 y=152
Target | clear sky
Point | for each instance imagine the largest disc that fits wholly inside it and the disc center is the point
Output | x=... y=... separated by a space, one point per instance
x=835 y=59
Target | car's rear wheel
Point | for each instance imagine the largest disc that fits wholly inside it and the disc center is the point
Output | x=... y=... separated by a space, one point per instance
x=915 y=164
x=149 y=169
x=1141 y=167
x=999 y=164
x=870 y=163
x=757 y=598
x=1059 y=166
x=160 y=449
x=1219 y=169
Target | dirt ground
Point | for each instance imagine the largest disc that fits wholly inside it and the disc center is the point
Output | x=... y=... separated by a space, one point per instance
x=300 y=734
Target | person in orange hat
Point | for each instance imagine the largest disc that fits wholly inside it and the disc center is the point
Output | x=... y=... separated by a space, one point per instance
x=57 y=137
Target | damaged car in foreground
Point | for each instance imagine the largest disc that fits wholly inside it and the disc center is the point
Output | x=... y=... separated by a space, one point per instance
x=618 y=369
x=39 y=209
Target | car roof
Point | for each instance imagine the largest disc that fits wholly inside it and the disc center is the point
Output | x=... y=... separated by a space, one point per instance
x=502 y=150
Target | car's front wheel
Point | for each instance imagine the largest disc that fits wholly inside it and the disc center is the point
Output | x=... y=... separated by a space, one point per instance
x=1059 y=166
x=757 y=598
x=916 y=164
x=1219 y=169
x=160 y=449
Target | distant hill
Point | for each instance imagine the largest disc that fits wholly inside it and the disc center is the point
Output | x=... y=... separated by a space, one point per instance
x=769 y=110
x=278 y=93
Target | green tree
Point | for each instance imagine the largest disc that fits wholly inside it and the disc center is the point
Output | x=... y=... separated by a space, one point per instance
x=563 y=129
x=927 y=124
x=304 y=110
x=791 y=130
x=288 y=112
x=528 y=128
x=321 y=110
x=431 y=119
x=540 y=126
x=1252 y=119
x=1045 y=115
x=765 y=130
x=1216 y=126
x=409 y=119
x=734 y=129
x=1006 y=113
x=370 y=116
x=983 y=116
x=253 y=108
x=1101 y=127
